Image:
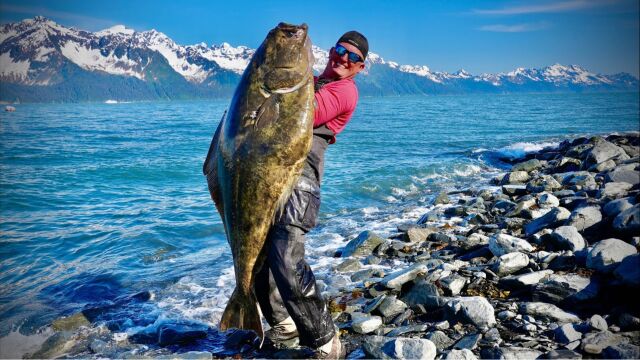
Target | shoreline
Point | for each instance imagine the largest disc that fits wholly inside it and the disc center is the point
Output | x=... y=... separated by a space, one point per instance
x=476 y=243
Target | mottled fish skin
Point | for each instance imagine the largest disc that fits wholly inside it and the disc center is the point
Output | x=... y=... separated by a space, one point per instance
x=257 y=156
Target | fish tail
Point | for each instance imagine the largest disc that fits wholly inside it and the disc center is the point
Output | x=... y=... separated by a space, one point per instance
x=242 y=313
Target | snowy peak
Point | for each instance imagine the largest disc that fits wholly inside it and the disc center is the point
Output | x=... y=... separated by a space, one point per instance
x=114 y=30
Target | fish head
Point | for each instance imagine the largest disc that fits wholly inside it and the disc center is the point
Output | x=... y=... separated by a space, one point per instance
x=287 y=59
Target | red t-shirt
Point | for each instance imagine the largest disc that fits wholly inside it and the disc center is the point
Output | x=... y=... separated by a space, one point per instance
x=335 y=103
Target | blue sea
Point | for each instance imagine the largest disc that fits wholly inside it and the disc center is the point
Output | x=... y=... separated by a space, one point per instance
x=99 y=202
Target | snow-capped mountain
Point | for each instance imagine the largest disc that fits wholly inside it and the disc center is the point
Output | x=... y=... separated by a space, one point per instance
x=41 y=60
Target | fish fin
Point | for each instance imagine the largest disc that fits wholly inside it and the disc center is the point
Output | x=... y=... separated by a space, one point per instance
x=242 y=313
x=210 y=169
x=268 y=111
x=209 y=164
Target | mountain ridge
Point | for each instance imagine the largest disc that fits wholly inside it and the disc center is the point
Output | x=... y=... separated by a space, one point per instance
x=41 y=60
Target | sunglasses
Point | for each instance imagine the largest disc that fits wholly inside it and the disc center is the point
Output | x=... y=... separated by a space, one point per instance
x=353 y=57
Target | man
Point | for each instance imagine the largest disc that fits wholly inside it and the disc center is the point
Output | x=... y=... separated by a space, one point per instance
x=285 y=287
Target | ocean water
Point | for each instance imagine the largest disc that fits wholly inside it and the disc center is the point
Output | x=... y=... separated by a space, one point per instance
x=99 y=202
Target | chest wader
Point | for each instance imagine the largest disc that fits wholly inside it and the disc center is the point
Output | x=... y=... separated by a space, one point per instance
x=286 y=286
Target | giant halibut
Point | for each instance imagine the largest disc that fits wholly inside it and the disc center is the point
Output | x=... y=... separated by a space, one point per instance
x=257 y=154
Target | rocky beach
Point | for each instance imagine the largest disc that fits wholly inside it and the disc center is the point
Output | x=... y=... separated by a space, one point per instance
x=541 y=263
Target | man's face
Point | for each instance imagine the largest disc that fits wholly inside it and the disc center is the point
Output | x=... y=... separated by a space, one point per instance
x=341 y=66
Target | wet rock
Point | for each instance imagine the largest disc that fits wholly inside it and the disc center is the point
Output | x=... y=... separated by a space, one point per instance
x=372 y=260
x=55 y=346
x=580 y=180
x=442 y=198
x=543 y=183
x=615 y=190
x=170 y=334
x=391 y=306
x=440 y=339
x=549 y=220
x=568 y=164
x=514 y=190
x=473 y=309
x=509 y=263
x=567 y=238
x=191 y=355
x=417 y=328
x=607 y=254
x=629 y=270
x=546 y=200
x=567 y=334
x=464 y=354
x=468 y=342
x=474 y=240
x=561 y=354
x=603 y=151
x=398 y=278
x=365 y=324
x=366 y=274
x=628 y=221
x=418 y=234
x=501 y=244
x=524 y=204
x=453 y=284
x=594 y=343
x=615 y=207
x=623 y=174
x=621 y=351
x=603 y=166
x=515 y=177
x=532 y=278
x=597 y=322
x=528 y=165
x=585 y=218
x=574 y=202
x=364 y=244
x=511 y=353
x=549 y=311
x=559 y=288
x=349 y=265
x=70 y=323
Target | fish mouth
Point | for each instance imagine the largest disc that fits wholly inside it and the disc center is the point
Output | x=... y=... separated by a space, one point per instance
x=293 y=31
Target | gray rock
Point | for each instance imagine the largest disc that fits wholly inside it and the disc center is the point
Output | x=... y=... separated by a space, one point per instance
x=514 y=353
x=603 y=151
x=615 y=190
x=391 y=306
x=528 y=279
x=500 y=244
x=549 y=311
x=523 y=204
x=594 y=343
x=514 y=190
x=615 y=207
x=568 y=164
x=515 y=177
x=366 y=274
x=607 y=254
x=506 y=315
x=549 y=220
x=597 y=322
x=581 y=179
x=373 y=304
x=473 y=309
x=621 y=351
x=623 y=174
x=442 y=198
x=629 y=322
x=628 y=221
x=190 y=355
x=349 y=265
x=464 y=354
x=566 y=334
x=564 y=193
x=509 y=263
x=372 y=260
x=528 y=165
x=418 y=234
x=365 y=324
x=468 y=342
x=629 y=270
x=398 y=278
x=603 y=166
x=417 y=328
x=424 y=293
x=453 y=284
x=440 y=339
x=562 y=354
x=566 y=288
x=567 y=238
x=474 y=240
x=543 y=183
x=364 y=244
x=546 y=200
x=410 y=348
x=585 y=218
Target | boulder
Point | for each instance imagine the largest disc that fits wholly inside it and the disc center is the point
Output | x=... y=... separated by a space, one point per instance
x=567 y=163
x=418 y=234
x=549 y=220
x=380 y=347
x=603 y=151
x=621 y=351
x=549 y=311
x=511 y=353
x=597 y=322
x=546 y=200
x=532 y=278
x=558 y=288
x=514 y=190
x=603 y=166
x=396 y=279
x=615 y=207
x=515 y=177
x=464 y=354
x=442 y=198
x=528 y=165
x=365 y=324
x=585 y=218
x=561 y=354
x=629 y=270
x=628 y=221
x=614 y=190
x=474 y=240
x=566 y=238
x=473 y=309
x=509 y=263
x=349 y=265
x=607 y=254
x=566 y=334
x=500 y=244
x=543 y=183
x=623 y=174
x=391 y=306
x=452 y=284
x=440 y=339
x=594 y=343
x=364 y=244
x=424 y=293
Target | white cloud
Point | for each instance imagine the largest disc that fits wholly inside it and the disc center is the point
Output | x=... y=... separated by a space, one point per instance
x=515 y=27
x=550 y=7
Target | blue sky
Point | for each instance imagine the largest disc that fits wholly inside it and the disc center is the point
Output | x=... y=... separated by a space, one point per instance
x=479 y=36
